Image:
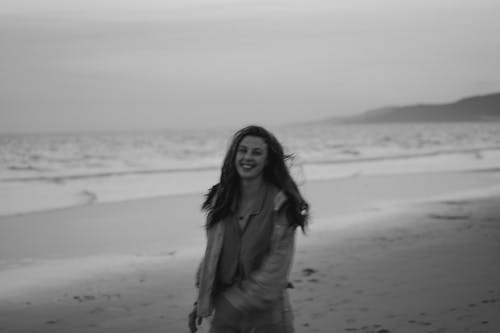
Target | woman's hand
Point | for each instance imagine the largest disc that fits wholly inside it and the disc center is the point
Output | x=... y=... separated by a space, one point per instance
x=194 y=321
x=225 y=311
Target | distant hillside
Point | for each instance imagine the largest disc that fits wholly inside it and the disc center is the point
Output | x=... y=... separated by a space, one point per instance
x=472 y=109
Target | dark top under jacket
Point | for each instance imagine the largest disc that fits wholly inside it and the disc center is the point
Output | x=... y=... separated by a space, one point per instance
x=245 y=242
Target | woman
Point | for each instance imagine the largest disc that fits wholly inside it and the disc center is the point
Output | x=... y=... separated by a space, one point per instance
x=252 y=214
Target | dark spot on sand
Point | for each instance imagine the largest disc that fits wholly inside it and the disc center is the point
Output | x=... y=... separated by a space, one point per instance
x=383 y=331
x=51 y=322
x=484 y=322
x=424 y=323
x=472 y=305
x=305 y=324
x=313 y=280
x=308 y=271
x=350 y=329
x=84 y=298
x=449 y=217
x=454 y=202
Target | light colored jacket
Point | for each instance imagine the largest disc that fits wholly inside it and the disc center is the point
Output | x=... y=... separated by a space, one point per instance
x=263 y=286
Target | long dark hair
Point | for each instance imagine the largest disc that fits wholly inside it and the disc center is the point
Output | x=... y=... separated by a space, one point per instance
x=219 y=198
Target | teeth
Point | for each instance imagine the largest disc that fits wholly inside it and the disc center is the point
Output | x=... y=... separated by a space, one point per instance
x=247 y=166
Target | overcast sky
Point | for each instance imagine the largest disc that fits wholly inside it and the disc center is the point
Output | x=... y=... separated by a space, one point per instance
x=122 y=64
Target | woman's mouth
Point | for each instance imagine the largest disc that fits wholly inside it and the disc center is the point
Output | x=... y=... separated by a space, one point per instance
x=247 y=166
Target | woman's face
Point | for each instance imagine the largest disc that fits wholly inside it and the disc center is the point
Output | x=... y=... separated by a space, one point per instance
x=251 y=157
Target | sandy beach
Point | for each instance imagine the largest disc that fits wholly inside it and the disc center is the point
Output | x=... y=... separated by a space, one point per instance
x=384 y=253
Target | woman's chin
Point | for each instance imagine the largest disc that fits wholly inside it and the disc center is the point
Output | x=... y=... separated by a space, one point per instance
x=249 y=175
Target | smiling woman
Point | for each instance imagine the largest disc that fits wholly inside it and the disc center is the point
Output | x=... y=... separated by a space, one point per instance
x=252 y=214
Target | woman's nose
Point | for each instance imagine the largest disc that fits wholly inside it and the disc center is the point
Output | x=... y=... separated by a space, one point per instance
x=247 y=156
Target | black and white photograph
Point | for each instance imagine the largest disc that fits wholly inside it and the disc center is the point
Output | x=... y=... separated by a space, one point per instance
x=249 y=166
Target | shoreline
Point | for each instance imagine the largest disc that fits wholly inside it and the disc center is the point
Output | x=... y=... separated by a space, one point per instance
x=91 y=198
x=20 y=198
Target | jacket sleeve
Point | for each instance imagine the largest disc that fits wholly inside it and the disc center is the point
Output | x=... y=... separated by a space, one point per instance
x=198 y=274
x=267 y=283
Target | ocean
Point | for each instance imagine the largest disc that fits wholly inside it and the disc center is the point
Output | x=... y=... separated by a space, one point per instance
x=51 y=171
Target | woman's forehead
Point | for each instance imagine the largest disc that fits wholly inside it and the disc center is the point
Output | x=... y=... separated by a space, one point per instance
x=253 y=142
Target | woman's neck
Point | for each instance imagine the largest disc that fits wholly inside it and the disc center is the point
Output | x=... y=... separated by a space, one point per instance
x=250 y=187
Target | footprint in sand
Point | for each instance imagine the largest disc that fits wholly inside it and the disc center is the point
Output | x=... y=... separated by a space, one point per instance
x=454 y=202
x=84 y=298
x=448 y=217
x=492 y=301
x=424 y=323
x=308 y=271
